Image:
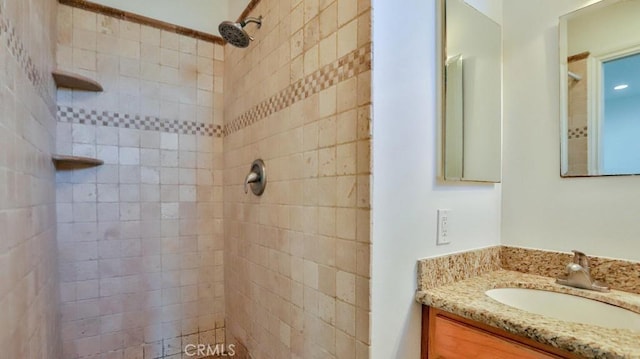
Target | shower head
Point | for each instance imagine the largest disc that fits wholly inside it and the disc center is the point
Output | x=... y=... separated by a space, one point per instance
x=234 y=33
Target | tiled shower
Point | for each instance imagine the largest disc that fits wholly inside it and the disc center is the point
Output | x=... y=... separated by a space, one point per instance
x=140 y=240
x=160 y=247
x=297 y=259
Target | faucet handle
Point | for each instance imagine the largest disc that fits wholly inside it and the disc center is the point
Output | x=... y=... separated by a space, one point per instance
x=256 y=179
x=581 y=259
x=579 y=276
x=251 y=178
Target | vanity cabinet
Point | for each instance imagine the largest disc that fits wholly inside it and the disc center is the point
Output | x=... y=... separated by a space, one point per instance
x=448 y=336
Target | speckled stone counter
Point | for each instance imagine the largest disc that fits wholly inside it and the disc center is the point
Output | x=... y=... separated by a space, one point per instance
x=618 y=274
x=466 y=298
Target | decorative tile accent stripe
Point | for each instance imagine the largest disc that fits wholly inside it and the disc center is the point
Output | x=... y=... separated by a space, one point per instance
x=41 y=80
x=578 y=132
x=350 y=65
x=139 y=122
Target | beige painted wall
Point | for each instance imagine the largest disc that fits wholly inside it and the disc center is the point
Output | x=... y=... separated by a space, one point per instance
x=540 y=209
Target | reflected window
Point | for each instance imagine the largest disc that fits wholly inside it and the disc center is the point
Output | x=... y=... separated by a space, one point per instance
x=600 y=82
x=621 y=121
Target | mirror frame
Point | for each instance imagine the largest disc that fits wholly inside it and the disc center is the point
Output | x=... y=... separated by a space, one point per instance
x=563 y=46
x=444 y=140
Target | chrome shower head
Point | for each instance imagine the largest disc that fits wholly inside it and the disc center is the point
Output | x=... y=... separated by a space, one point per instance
x=234 y=33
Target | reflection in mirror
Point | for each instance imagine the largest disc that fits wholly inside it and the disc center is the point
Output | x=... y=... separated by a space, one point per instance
x=454 y=148
x=472 y=96
x=600 y=89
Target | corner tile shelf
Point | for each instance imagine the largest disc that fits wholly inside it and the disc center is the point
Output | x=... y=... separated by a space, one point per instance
x=71 y=162
x=74 y=81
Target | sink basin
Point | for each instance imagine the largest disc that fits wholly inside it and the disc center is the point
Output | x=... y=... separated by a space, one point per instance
x=567 y=307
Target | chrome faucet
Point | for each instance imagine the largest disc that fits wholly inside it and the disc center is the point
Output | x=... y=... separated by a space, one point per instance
x=579 y=275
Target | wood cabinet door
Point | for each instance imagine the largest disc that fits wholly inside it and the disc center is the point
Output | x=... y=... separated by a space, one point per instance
x=448 y=336
x=456 y=340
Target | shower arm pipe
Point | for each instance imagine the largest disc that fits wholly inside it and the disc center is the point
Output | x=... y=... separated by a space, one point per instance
x=574 y=76
x=255 y=20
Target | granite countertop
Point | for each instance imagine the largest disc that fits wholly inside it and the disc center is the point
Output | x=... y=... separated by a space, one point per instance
x=466 y=298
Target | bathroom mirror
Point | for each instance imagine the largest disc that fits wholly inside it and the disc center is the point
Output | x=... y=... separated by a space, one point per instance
x=471 y=93
x=600 y=89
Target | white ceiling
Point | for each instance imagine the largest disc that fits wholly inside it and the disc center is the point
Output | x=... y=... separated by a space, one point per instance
x=201 y=15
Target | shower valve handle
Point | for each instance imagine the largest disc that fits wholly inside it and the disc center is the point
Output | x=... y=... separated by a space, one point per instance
x=251 y=178
x=256 y=179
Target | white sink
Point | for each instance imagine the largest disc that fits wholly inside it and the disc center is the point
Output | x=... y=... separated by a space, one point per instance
x=567 y=307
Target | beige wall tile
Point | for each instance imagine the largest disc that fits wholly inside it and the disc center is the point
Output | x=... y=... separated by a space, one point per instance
x=347 y=38
x=328 y=102
x=329 y=20
x=347 y=10
x=328 y=50
x=84 y=19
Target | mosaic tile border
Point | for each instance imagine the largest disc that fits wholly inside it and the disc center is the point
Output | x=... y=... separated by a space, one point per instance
x=139 y=122
x=578 y=132
x=42 y=81
x=350 y=65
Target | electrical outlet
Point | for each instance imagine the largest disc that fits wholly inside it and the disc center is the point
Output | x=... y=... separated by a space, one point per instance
x=443 y=227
